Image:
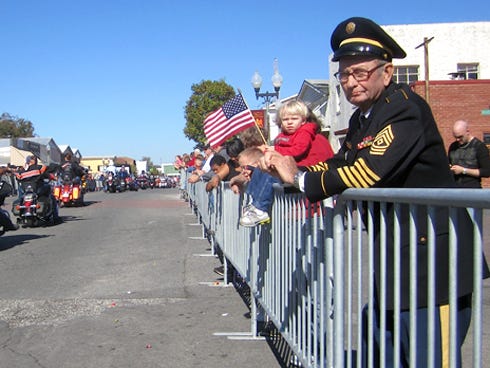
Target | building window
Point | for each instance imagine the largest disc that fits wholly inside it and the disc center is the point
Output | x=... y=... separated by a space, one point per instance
x=470 y=70
x=486 y=138
x=406 y=73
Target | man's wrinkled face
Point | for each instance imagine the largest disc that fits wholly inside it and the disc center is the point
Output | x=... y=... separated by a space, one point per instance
x=364 y=79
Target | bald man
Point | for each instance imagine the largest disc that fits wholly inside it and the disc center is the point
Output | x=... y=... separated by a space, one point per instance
x=468 y=156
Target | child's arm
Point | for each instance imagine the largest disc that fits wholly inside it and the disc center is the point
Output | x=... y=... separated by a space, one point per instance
x=297 y=147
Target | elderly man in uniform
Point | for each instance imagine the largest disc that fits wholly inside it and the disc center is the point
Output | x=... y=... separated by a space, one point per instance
x=392 y=141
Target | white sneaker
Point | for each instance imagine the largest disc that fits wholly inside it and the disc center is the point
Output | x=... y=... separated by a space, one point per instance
x=253 y=216
x=245 y=209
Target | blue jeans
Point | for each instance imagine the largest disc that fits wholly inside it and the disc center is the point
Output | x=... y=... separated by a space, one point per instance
x=261 y=190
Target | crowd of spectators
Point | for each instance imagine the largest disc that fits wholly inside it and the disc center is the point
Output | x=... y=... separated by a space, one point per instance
x=237 y=160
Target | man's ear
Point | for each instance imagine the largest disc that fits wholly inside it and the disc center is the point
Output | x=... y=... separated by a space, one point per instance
x=388 y=71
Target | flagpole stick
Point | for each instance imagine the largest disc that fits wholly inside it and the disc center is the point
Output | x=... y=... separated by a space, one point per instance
x=255 y=121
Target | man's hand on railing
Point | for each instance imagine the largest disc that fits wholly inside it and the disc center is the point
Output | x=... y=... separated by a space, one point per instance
x=283 y=167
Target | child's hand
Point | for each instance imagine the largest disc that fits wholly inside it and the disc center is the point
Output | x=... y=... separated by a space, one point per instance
x=235 y=189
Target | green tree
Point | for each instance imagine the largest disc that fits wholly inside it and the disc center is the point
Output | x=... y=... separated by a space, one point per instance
x=207 y=97
x=13 y=127
x=149 y=162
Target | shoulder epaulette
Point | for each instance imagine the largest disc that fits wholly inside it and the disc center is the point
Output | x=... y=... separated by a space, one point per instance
x=399 y=93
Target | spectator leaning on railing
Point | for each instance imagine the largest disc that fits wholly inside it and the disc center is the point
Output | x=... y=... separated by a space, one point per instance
x=392 y=141
x=225 y=170
x=299 y=138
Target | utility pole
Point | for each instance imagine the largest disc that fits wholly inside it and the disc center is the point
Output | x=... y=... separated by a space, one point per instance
x=426 y=65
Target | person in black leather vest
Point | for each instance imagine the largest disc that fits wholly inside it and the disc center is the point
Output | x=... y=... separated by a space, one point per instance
x=468 y=156
x=71 y=170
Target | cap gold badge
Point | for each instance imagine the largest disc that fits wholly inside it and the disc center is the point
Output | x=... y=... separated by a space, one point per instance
x=350 y=27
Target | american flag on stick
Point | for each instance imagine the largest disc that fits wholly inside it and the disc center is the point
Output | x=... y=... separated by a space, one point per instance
x=230 y=119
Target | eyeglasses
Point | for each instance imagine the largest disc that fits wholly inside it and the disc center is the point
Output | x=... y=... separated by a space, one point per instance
x=359 y=75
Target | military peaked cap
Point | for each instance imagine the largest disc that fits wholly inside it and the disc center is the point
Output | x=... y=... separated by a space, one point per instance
x=362 y=37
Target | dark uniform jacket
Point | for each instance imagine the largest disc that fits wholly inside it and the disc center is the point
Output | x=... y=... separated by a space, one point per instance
x=399 y=147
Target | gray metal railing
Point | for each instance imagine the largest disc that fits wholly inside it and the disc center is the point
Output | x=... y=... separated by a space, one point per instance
x=311 y=270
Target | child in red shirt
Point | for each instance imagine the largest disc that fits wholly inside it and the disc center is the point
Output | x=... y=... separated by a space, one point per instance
x=299 y=138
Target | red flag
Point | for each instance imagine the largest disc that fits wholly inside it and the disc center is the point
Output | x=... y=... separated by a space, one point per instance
x=230 y=119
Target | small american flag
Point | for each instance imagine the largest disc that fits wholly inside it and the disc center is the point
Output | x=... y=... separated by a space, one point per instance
x=230 y=119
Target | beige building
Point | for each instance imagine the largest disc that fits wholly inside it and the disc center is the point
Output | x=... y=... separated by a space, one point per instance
x=97 y=163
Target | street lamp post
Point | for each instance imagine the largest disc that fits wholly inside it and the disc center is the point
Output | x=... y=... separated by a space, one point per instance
x=268 y=96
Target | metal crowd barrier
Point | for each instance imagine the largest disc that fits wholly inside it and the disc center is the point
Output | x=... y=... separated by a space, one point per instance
x=311 y=270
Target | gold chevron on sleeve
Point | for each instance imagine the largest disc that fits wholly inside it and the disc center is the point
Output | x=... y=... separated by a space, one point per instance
x=382 y=141
x=358 y=176
x=351 y=176
x=321 y=166
x=344 y=177
x=368 y=174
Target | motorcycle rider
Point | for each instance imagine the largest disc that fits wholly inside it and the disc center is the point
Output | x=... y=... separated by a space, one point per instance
x=71 y=171
x=123 y=176
x=5 y=220
x=34 y=174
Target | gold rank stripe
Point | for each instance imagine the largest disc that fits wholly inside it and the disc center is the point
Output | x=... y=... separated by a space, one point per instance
x=382 y=141
x=347 y=177
x=369 y=174
x=321 y=166
x=358 y=176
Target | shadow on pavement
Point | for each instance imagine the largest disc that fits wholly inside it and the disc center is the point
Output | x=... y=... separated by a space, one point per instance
x=11 y=239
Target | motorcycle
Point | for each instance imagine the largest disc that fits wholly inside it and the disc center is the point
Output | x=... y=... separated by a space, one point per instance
x=142 y=182
x=151 y=182
x=35 y=207
x=132 y=184
x=123 y=185
x=69 y=193
x=111 y=184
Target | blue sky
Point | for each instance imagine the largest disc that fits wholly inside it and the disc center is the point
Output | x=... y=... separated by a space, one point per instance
x=112 y=77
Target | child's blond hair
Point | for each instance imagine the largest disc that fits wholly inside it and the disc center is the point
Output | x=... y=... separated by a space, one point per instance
x=252 y=153
x=293 y=107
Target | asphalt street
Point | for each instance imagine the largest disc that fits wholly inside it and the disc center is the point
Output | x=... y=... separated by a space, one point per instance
x=126 y=281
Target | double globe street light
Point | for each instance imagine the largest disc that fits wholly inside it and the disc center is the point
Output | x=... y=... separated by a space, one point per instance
x=268 y=96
